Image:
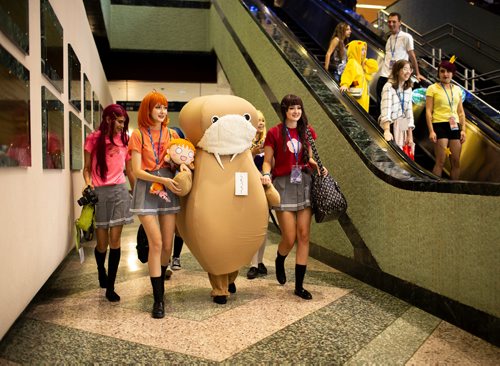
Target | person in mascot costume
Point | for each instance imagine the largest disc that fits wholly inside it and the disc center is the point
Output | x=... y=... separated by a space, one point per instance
x=224 y=218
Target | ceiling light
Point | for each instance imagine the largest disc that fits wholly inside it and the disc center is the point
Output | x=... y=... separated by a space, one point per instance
x=369 y=6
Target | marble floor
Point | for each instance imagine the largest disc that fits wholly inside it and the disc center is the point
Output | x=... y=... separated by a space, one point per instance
x=347 y=322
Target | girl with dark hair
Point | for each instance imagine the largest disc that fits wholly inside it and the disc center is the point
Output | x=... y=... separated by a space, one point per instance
x=157 y=215
x=338 y=49
x=445 y=117
x=105 y=159
x=286 y=144
x=396 y=107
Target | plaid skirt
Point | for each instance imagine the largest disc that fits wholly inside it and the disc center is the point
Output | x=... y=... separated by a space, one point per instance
x=145 y=203
x=113 y=206
x=294 y=197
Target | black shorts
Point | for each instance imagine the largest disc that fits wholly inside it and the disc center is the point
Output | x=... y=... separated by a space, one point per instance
x=443 y=131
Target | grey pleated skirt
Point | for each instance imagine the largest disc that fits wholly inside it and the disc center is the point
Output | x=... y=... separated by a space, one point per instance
x=113 y=206
x=145 y=203
x=294 y=197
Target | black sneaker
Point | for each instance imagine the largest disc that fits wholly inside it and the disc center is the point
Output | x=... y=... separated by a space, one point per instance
x=253 y=272
x=262 y=269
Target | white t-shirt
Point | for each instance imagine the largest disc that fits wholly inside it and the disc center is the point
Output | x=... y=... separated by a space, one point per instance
x=396 y=48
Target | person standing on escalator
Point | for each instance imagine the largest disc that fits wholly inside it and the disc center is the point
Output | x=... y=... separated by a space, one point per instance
x=338 y=50
x=445 y=118
x=399 y=46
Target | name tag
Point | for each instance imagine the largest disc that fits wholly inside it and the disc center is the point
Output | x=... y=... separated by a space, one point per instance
x=241 y=184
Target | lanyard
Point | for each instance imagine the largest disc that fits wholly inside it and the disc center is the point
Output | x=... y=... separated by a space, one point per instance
x=295 y=153
x=401 y=101
x=393 y=49
x=157 y=156
x=450 y=103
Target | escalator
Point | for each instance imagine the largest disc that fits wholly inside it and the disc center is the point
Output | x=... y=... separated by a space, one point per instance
x=480 y=158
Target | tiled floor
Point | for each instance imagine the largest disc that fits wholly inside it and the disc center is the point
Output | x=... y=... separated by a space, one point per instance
x=347 y=322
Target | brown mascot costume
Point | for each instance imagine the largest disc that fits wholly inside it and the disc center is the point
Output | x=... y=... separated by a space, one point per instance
x=224 y=218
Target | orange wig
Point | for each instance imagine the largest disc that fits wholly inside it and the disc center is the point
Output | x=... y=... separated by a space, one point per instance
x=151 y=99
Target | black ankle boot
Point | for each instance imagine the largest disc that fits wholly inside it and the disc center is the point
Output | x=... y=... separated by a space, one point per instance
x=280 y=268
x=158 y=291
x=113 y=262
x=300 y=272
x=221 y=300
x=99 y=259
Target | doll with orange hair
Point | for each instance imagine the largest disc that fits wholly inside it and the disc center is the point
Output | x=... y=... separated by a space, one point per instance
x=149 y=145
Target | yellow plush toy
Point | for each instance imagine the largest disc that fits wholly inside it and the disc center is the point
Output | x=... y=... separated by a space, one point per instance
x=224 y=219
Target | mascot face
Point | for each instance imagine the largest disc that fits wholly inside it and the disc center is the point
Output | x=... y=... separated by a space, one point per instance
x=220 y=124
x=228 y=135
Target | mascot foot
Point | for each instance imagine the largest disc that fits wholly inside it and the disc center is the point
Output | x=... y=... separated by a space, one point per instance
x=231 y=288
x=304 y=294
x=158 y=310
x=220 y=299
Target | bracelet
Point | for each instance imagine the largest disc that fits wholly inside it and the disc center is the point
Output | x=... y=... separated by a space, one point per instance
x=268 y=174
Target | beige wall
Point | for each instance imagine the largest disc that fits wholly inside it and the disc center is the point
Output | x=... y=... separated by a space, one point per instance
x=39 y=206
x=446 y=243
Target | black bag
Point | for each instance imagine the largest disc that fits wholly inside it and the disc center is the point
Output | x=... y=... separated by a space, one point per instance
x=142 y=245
x=328 y=202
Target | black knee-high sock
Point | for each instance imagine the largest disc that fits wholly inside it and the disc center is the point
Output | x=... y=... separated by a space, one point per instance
x=113 y=262
x=178 y=241
x=300 y=272
x=280 y=268
x=99 y=259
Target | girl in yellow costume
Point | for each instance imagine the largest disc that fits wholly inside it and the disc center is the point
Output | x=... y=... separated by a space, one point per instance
x=358 y=71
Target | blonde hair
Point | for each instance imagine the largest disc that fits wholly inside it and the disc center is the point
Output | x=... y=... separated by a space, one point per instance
x=260 y=136
x=148 y=103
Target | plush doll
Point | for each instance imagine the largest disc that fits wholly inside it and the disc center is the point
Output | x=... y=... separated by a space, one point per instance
x=224 y=218
x=179 y=157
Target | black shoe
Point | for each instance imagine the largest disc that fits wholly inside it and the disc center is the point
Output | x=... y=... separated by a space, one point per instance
x=220 y=299
x=253 y=272
x=112 y=296
x=304 y=294
x=232 y=288
x=262 y=269
x=280 y=272
x=158 y=310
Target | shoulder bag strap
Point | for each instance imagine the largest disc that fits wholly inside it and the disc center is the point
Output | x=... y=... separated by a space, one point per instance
x=313 y=148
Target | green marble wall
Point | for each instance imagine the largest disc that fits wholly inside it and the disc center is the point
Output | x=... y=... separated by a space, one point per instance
x=158 y=28
x=446 y=243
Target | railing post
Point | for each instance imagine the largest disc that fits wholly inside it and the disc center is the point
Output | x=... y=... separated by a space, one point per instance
x=433 y=57
x=473 y=80
x=466 y=77
x=439 y=54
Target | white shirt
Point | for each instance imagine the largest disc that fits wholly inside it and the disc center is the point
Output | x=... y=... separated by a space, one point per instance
x=396 y=48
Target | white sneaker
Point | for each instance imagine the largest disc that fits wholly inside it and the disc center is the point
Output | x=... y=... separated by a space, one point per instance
x=176 y=263
x=168 y=272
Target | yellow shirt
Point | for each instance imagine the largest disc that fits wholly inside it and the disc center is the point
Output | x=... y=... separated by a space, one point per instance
x=441 y=111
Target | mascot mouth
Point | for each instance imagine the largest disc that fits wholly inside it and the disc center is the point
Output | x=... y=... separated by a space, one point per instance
x=230 y=134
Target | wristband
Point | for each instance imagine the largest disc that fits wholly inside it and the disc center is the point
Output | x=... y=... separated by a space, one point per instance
x=268 y=174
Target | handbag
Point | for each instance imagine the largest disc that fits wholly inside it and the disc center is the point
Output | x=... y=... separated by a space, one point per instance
x=142 y=245
x=327 y=200
x=356 y=92
x=407 y=151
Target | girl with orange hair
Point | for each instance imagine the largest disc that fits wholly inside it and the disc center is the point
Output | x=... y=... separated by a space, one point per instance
x=148 y=145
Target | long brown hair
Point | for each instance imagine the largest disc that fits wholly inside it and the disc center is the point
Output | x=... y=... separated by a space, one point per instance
x=398 y=65
x=339 y=32
x=288 y=101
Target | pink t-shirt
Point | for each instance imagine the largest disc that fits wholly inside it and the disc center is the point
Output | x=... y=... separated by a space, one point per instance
x=116 y=155
x=284 y=160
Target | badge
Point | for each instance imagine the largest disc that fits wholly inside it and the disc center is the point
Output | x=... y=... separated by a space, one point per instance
x=296 y=175
x=391 y=63
x=453 y=124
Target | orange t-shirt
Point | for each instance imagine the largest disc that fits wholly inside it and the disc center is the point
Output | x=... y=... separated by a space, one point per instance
x=145 y=148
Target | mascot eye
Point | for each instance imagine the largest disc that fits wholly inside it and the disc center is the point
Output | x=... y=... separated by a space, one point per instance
x=215 y=119
x=247 y=117
x=190 y=154
x=178 y=150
